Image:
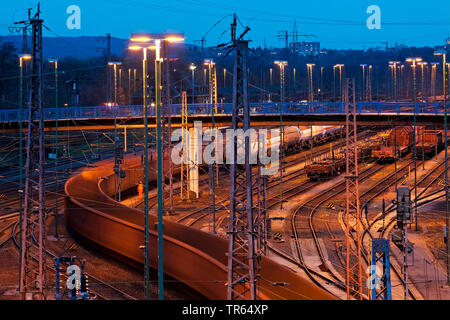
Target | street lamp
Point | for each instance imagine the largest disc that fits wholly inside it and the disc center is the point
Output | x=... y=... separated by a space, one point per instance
x=22 y=58
x=129 y=86
x=414 y=62
x=443 y=53
x=363 y=87
x=393 y=66
x=157 y=38
x=422 y=64
x=340 y=66
x=369 y=84
x=116 y=138
x=433 y=79
x=282 y=64
x=144 y=49
x=114 y=64
x=309 y=67
x=193 y=67
x=270 y=74
x=224 y=77
x=55 y=62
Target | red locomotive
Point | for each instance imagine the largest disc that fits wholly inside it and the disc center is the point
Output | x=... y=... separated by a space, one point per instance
x=395 y=144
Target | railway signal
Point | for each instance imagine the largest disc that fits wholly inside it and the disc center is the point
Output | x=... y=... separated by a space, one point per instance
x=77 y=282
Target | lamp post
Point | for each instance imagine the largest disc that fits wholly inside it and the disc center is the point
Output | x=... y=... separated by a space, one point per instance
x=129 y=86
x=369 y=84
x=321 y=85
x=295 y=74
x=270 y=74
x=224 y=77
x=120 y=81
x=55 y=62
x=340 y=66
x=282 y=64
x=114 y=64
x=401 y=80
x=157 y=38
x=310 y=67
x=393 y=66
x=193 y=67
x=422 y=65
x=443 y=53
x=144 y=49
x=363 y=88
x=22 y=58
x=433 y=79
x=134 y=79
x=414 y=62
x=117 y=181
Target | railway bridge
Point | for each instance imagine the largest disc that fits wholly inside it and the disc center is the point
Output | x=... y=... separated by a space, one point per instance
x=262 y=114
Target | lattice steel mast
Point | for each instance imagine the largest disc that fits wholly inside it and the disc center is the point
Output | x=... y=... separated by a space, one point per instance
x=166 y=125
x=33 y=254
x=213 y=172
x=241 y=251
x=184 y=183
x=353 y=255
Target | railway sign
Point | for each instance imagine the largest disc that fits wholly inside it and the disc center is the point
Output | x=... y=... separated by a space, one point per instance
x=73 y=247
x=277 y=236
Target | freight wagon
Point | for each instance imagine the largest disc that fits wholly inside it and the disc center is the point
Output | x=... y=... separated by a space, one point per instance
x=429 y=142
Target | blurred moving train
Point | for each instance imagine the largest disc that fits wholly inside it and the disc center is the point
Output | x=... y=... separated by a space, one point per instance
x=296 y=139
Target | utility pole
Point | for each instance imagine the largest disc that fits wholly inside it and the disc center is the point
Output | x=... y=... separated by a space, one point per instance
x=242 y=260
x=33 y=225
x=353 y=255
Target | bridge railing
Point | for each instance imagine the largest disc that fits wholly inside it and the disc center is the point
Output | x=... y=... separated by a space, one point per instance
x=266 y=108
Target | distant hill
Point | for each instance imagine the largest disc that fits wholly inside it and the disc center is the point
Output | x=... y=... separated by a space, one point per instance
x=80 y=47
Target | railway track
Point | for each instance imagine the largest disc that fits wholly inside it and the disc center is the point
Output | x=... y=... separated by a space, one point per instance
x=199 y=214
x=97 y=287
x=426 y=181
x=304 y=216
x=325 y=228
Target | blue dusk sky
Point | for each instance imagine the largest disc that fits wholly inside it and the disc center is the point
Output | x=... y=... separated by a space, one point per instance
x=336 y=24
